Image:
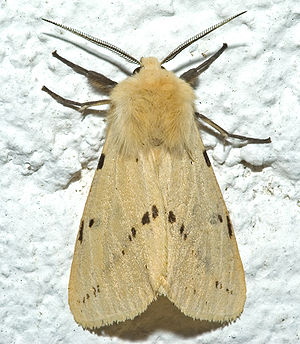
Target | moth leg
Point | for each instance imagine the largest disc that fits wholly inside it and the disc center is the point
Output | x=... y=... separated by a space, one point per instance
x=98 y=79
x=193 y=73
x=81 y=107
x=225 y=134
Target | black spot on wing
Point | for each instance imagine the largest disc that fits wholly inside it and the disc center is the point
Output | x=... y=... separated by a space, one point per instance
x=171 y=217
x=154 y=211
x=219 y=285
x=123 y=252
x=229 y=226
x=146 y=218
x=133 y=231
x=184 y=236
x=91 y=222
x=229 y=291
x=129 y=237
x=215 y=218
x=80 y=236
x=101 y=162
x=206 y=158
x=181 y=229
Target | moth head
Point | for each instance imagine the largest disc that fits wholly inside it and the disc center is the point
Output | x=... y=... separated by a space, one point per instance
x=148 y=63
x=145 y=62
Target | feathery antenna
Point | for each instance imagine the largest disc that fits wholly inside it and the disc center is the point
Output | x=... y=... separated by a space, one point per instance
x=97 y=41
x=195 y=38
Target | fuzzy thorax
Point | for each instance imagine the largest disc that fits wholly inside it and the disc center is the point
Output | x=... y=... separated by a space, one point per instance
x=151 y=108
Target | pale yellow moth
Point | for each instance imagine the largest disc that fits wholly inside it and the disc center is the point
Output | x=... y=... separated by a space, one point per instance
x=155 y=222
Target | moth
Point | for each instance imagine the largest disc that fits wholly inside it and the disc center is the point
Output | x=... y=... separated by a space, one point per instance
x=155 y=222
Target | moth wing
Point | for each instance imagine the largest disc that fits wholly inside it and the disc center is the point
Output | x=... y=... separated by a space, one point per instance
x=119 y=250
x=205 y=276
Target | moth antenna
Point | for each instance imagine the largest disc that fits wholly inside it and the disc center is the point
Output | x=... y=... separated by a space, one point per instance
x=193 y=39
x=97 y=41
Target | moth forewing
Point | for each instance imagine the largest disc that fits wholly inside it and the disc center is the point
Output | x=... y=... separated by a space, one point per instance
x=120 y=249
x=205 y=272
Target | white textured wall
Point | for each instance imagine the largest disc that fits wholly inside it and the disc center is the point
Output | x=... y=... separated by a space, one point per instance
x=48 y=154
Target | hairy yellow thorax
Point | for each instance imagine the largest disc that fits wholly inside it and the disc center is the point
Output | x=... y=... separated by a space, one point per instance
x=151 y=108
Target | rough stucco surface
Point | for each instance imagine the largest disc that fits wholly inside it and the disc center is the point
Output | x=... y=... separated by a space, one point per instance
x=48 y=154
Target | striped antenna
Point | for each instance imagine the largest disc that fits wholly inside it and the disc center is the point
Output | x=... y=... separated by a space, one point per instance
x=97 y=41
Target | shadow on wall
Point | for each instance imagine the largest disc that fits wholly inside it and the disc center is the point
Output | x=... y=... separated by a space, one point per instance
x=160 y=315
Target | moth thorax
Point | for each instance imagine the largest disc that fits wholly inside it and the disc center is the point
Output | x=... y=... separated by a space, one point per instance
x=152 y=108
